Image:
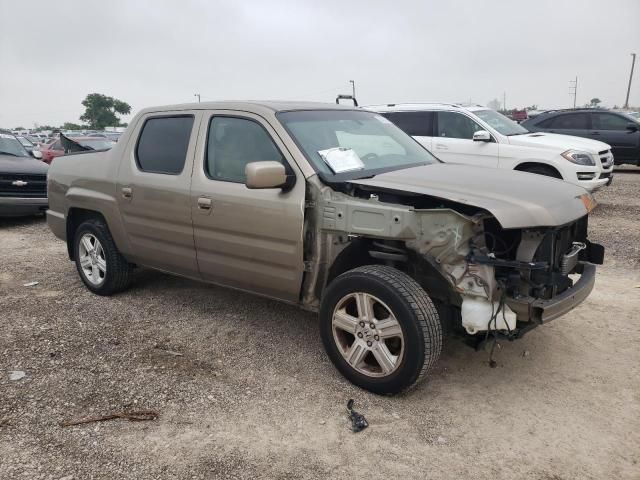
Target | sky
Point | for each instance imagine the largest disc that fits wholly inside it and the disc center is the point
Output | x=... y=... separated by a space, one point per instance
x=54 y=53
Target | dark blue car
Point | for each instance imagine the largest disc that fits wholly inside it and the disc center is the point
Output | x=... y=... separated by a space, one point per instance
x=618 y=129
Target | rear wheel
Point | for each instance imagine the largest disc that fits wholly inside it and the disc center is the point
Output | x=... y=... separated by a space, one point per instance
x=101 y=266
x=380 y=329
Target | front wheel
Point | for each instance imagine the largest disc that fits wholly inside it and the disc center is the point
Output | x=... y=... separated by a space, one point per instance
x=380 y=328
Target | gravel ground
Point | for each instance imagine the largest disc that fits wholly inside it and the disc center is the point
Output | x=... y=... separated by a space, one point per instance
x=252 y=394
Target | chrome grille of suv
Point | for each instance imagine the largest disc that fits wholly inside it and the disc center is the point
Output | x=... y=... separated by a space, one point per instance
x=24 y=186
x=606 y=157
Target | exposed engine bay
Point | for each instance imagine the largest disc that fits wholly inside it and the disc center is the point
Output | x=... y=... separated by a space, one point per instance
x=502 y=280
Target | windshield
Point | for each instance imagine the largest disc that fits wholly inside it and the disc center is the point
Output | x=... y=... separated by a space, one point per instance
x=501 y=123
x=634 y=116
x=9 y=145
x=357 y=144
x=25 y=141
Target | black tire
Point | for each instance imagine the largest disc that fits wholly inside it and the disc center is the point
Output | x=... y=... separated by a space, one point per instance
x=414 y=311
x=118 y=271
x=542 y=170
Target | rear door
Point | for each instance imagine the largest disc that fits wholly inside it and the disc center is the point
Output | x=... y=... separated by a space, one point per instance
x=247 y=239
x=153 y=191
x=612 y=129
x=417 y=124
x=577 y=123
x=454 y=141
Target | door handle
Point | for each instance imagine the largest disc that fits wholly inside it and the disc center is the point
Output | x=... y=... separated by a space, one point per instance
x=595 y=133
x=204 y=203
x=440 y=146
x=127 y=192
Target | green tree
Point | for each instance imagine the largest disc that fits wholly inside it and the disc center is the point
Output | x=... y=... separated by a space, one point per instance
x=594 y=102
x=71 y=126
x=101 y=111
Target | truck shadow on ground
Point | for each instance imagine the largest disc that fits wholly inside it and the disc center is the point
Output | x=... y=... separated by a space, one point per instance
x=257 y=323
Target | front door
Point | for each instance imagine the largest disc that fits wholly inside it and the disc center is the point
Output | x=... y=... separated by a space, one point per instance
x=247 y=239
x=612 y=129
x=454 y=142
x=153 y=189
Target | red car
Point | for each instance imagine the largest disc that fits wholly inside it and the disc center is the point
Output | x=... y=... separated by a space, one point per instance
x=51 y=150
x=56 y=149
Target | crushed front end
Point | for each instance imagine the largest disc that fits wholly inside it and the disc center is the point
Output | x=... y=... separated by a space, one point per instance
x=541 y=273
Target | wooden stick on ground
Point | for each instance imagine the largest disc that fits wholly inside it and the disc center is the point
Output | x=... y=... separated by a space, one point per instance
x=138 y=416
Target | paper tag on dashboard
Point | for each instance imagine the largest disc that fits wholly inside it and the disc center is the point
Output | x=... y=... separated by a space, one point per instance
x=341 y=159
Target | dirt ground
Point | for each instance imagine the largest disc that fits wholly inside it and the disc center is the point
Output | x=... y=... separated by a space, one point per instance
x=252 y=394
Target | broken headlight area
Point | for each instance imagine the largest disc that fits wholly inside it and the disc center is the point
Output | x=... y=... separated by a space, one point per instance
x=540 y=273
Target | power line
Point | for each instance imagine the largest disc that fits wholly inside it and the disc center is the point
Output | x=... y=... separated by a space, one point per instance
x=633 y=62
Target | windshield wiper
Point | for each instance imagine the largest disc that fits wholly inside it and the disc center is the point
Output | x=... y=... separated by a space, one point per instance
x=519 y=133
x=9 y=153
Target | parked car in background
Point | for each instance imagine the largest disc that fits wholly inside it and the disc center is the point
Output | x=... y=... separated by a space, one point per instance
x=476 y=135
x=26 y=143
x=51 y=150
x=618 y=129
x=58 y=148
x=336 y=210
x=519 y=116
x=23 y=179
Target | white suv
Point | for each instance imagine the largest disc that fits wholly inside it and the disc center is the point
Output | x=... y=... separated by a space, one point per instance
x=476 y=135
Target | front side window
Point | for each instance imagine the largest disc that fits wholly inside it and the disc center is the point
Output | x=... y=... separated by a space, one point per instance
x=366 y=142
x=417 y=124
x=499 y=122
x=608 y=121
x=163 y=143
x=571 y=121
x=456 y=125
x=232 y=143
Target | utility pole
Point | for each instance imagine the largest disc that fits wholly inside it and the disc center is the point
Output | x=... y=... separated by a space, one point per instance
x=573 y=85
x=197 y=95
x=353 y=88
x=633 y=62
x=504 y=101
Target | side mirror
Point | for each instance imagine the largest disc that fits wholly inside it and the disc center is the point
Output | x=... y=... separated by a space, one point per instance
x=36 y=154
x=632 y=128
x=481 y=136
x=265 y=175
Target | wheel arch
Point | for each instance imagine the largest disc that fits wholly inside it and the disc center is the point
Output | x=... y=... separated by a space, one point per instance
x=524 y=166
x=361 y=252
x=75 y=217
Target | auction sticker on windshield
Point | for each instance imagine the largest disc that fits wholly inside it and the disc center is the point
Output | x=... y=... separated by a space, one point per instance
x=341 y=159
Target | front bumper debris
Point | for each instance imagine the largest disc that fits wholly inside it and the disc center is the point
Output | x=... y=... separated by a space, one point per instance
x=541 y=311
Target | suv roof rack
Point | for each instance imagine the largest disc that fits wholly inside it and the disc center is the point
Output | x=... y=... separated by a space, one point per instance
x=456 y=105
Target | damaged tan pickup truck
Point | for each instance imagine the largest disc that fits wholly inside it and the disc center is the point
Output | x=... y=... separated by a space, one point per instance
x=338 y=211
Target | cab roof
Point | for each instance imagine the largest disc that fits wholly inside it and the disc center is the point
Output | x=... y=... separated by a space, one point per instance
x=251 y=105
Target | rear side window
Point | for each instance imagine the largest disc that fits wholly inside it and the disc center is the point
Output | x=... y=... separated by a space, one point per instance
x=570 y=121
x=163 y=143
x=232 y=143
x=418 y=124
x=608 y=121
